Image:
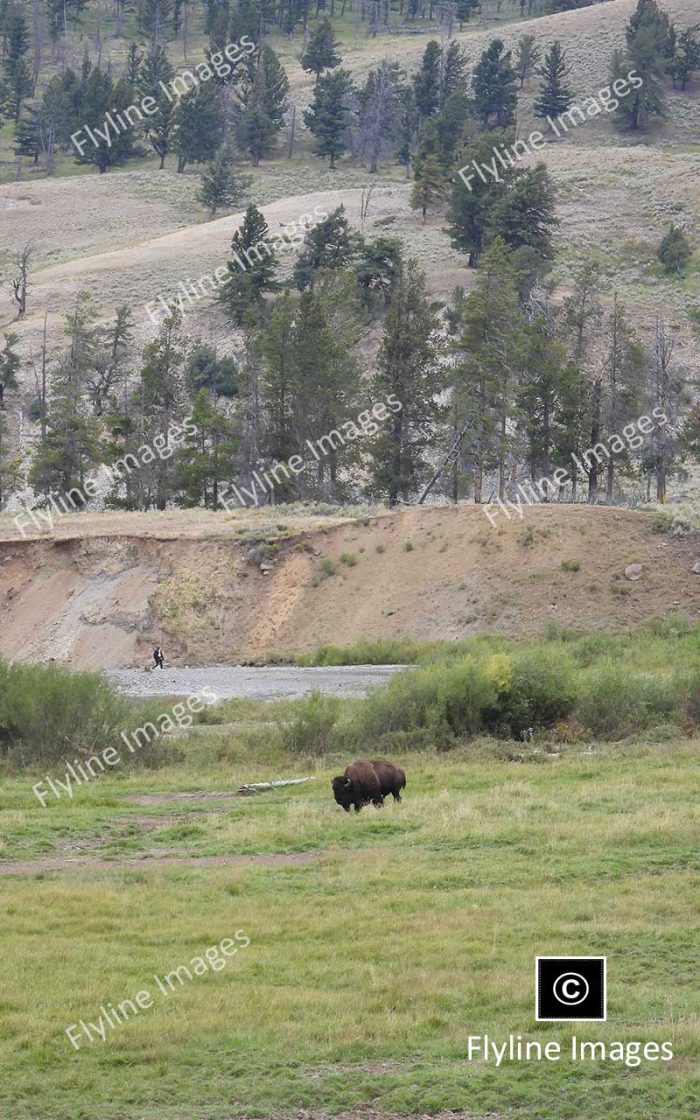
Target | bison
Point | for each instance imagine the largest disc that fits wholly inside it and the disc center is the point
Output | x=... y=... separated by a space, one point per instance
x=392 y=779
x=357 y=786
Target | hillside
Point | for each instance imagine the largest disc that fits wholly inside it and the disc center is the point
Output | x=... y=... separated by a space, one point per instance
x=102 y=591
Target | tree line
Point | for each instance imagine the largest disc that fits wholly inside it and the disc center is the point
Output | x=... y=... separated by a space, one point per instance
x=499 y=385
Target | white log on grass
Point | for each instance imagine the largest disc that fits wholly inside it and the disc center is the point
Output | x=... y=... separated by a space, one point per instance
x=259 y=787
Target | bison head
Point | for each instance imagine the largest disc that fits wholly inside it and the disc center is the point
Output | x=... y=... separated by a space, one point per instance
x=343 y=792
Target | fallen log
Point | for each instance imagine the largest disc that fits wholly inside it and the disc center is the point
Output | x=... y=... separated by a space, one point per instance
x=260 y=787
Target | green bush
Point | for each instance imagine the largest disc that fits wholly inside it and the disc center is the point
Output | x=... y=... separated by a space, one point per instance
x=49 y=715
x=311 y=729
x=348 y=558
x=541 y=691
x=615 y=702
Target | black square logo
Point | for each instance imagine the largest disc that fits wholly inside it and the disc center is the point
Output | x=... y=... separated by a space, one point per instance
x=571 y=988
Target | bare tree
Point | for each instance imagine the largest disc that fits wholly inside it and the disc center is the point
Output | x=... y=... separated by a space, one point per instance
x=19 y=281
x=664 y=392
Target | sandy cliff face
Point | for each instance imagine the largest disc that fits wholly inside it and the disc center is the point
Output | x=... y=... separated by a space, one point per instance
x=105 y=598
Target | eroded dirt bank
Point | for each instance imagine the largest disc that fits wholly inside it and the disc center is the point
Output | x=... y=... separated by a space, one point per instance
x=214 y=591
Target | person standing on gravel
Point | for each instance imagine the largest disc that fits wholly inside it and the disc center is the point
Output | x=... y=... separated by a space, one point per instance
x=158 y=658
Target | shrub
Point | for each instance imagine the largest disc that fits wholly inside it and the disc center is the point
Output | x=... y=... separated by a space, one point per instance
x=328 y=566
x=48 y=714
x=348 y=558
x=408 y=546
x=615 y=702
x=538 y=691
x=571 y=565
x=380 y=549
x=311 y=729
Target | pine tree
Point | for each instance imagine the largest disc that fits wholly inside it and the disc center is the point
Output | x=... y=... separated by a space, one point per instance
x=59 y=13
x=160 y=404
x=494 y=81
x=28 y=137
x=9 y=366
x=487 y=358
x=279 y=388
x=326 y=376
x=265 y=103
x=553 y=98
x=18 y=79
x=527 y=57
x=223 y=183
x=321 y=49
x=471 y=205
x=134 y=59
x=410 y=375
x=328 y=116
x=581 y=311
x=523 y=214
x=100 y=95
x=454 y=71
x=542 y=397
x=426 y=81
x=252 y=270
x=70 y=447
x=622 y=388
x=153 y=69
x=686 y=57
x=327 y=245
x=430 y=185
x=675 y=251
x=378 y=268
x=204 y=369
x=208 y=456
x=634 y=111
x=10 y=464
x=199 y=125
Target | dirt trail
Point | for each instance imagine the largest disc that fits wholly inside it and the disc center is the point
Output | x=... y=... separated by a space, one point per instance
x=57 y=863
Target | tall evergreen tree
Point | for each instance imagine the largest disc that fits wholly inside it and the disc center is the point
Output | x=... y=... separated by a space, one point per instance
x=199 y=125
x=252 y=270
x=487 y=360
x=426 y=81
x=223 y=183
x=527 y=57
x=328 y=245
x=622 y=388
x=9 y=366
x=321 y=50
x=429 y=186
x=100 y=95
x=409 y=373
x=264 y=97
x=208 y=455
x=454 y=73
x=328 y=116
x=553 y=98
x=18 y=79
x=494 y=86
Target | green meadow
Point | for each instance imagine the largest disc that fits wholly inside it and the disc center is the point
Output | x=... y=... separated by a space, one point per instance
x=378 y=942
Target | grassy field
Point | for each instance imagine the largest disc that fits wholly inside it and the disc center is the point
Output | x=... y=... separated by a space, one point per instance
x=378 y=942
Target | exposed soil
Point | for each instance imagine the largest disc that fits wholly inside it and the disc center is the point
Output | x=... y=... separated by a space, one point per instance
x=443 y=572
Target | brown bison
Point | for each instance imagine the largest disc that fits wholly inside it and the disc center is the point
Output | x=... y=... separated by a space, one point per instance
x=357 y=786
x=392 y=779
